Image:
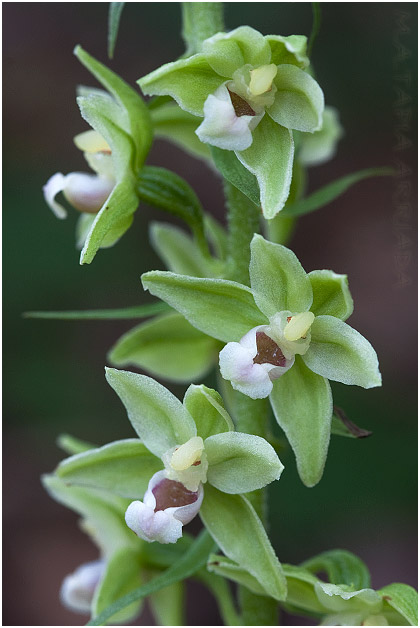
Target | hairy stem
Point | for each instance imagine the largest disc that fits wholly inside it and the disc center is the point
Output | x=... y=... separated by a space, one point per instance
x=200 y=20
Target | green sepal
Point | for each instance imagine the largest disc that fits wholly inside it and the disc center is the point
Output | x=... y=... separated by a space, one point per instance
x=233 y=171
x=240 y=463
x=167 y=346
x=137 y=111
x=270 y=159
x=227 y=568
x=319 y=147
x=331 y=294
x=290 y=50
x=403 y=599
x=302 y=405
x=72 y=445
x=331 y=191
x=180 y=253
x=188 y=81
x=158 y=417
x=113 y=218
x=338 y=599
x=278 y=279
x=280 y=228
x=341 y=567
x=226 y=52
x=340 y=353
x=299 y=101
x=123 y=467
x=103 y=513
x=122 y=575
x=175 y=125
x=220 y=308
x=208 y=411
x=84 y=225
x=237 y=530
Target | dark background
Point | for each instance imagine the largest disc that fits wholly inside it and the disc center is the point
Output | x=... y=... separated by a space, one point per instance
x=365 y=60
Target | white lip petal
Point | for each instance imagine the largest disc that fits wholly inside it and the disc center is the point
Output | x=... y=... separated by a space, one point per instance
x=87 y=192
x=221 y=126
x=54 y=185
x=78 y=588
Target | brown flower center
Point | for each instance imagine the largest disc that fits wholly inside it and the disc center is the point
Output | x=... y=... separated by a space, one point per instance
x=241 y=107
x=267 y=351
x=169 y=494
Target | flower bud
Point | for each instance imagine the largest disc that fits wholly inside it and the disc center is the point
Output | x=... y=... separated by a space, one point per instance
x=86 y=192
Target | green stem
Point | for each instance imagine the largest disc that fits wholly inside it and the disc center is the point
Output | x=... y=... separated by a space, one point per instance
x=221 y=591
x=200 y=20
x=243 y=222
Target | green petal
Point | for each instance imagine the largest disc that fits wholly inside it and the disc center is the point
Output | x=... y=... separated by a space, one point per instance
x=123 y=467
x=277 y=278
x=240 y=463
x=222 y=309
x=403 y=599
x=112 y=220
x=299 y=101
x=340 y=353
x=331 y=294
x=207 y=409
x=103 y=513
x=237 y=530
x=227 y=52
x=172 y=123
x=179 y=251
x=158 y=417
x=167 y=346
x=291 y=50
x=302 y=405
x=270 y=159
x=122 y=575
x=188 y=81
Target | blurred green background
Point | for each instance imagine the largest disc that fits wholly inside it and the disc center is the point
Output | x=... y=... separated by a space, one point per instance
x=365 y=60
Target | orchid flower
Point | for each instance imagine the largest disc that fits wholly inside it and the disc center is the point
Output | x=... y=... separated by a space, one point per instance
x=286 y=337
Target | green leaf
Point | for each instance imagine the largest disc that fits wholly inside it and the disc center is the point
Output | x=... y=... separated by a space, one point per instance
x=188 y=81
x=223 y=309
x=167 y=605
x=331 y=294
x=122 y=575
x=299 y=100
x=403 y=599
x=137 y=311
x=302 y=405
x=72 y=445
x=340 y=353
x=103 y=513
x=330 y=192
x=137 y=111
x=270 y=159
x=118 y=207
x=168 y=191
x=278 y=280
x=166 y=346
x=341 y=567
x=237 y=530
x=226 y=52
x=189 y=563
x=123 y=467
x=158 y=417
x=208 y=411
x=240 y=463
x=172 y=123
x=179 y=252
x=233 y=171
x=114 y=16
x=227 y=568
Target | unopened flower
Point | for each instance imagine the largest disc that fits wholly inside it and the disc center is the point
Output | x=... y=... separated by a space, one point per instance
x=79 y=587
x=197 y=445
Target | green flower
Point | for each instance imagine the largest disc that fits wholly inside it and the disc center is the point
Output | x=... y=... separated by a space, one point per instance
x=286 y=337
x=252 y=91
